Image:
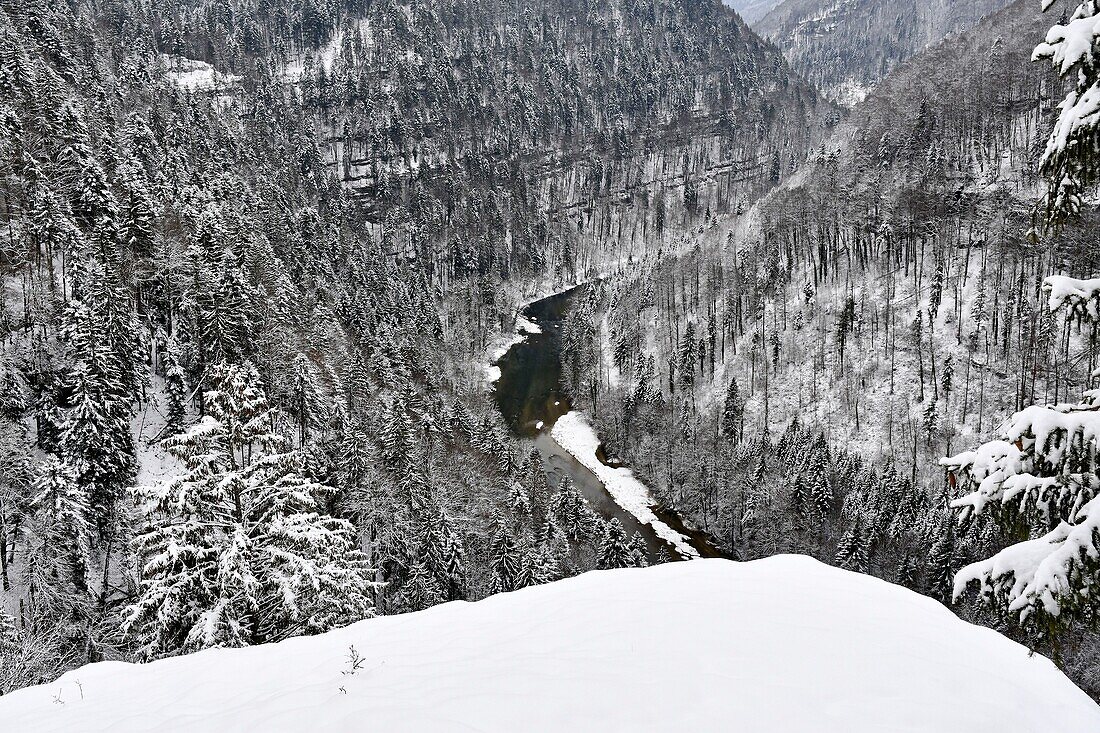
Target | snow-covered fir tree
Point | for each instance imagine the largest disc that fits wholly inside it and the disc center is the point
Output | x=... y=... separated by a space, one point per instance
x=235 y=550
x=614 y=549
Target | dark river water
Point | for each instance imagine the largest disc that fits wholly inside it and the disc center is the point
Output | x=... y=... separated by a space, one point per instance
x=530 y=397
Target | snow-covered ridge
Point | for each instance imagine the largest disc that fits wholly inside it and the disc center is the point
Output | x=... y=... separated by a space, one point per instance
x=684 y=646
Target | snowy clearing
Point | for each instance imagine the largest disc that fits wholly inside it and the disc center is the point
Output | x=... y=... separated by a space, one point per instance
x=719 y=644
x=576 y=435
x=325 y=57
x=192 y=75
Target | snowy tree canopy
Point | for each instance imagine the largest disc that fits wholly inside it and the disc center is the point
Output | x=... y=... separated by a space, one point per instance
x=1069 y=161
x=1042 y=473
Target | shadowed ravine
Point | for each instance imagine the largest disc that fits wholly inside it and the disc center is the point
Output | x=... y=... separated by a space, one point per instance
x=529 y=393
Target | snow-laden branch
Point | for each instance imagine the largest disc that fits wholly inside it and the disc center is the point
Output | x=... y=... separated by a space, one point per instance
x=1069 y=161
x=1046 y=570
x=1081 y=296
x=1043 y=468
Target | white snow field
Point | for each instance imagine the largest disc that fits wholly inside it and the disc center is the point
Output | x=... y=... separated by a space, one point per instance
x=785 y=644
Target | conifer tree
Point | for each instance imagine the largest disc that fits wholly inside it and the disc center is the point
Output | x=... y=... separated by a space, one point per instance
x=517 y=498
x=935 y=292
x=853 y=551
x=571 y=512
x=732 y=411
x=10 y=643
x=687 y=357
x=95 y=438
x=96 y=441
x=947 y=377
x=1040 y=473
x=175 y=386
x=845 y=325
x=908 y=572
x=821 y=496
x=59 y=544
x=305 y=397
x=929 y=420
x=235 y=551
x=639 y=553
x=916 y=336
x=136 y=225
x=942 y=562
x=614 y=550
x=799 y=496
x=446 y=556
x=539 y=566
x=421 y=589
x=506 y=561
x=1069 y=160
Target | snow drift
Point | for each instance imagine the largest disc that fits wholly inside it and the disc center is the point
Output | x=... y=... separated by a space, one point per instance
x=783 y=644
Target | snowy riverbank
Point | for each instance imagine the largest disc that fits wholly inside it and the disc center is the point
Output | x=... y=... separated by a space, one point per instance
x=570 y=431
x=523 y=327
x=575 y=434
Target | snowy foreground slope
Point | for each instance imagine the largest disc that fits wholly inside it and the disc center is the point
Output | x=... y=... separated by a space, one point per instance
x=783 y=644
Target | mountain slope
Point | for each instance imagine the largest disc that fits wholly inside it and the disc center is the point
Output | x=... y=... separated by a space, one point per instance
x=845 y=46
x=752 y=10
x=778 y=644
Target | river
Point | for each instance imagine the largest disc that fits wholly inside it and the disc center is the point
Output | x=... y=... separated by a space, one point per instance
x=529 y=396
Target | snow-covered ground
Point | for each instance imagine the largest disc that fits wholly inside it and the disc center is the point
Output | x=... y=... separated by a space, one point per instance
x=192 y=75
x=526 y=325
x=155 y=464
x=850 y=92
x=325 y=57
x=782 y=644
x=575 y=434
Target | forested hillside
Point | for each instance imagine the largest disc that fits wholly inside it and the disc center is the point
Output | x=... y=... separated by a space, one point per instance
x=540 y=136
x=791 y=383
x=844 y=47
x=253 y=254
